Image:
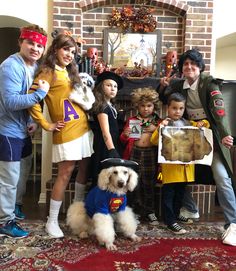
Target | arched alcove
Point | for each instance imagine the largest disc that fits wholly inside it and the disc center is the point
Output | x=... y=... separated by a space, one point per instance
x=9 y=31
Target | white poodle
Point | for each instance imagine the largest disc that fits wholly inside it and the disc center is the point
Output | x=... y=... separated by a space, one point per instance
x=105 y=205
x=82 y=94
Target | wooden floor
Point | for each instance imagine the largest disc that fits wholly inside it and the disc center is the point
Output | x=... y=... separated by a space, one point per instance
x=36 y=211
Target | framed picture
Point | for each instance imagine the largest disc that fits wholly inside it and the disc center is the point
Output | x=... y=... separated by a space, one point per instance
x=124 y=50
x=135 y=128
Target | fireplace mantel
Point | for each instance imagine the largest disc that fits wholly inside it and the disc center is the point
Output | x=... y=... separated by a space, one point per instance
x=133 y=83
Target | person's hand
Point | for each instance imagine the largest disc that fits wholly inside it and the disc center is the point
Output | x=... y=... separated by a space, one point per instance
x=44 y=85
x=127 y=132
x=112 y=153
x=56 y=126
x=165 y=122
x=31 y=128
x=227 y=141
x=202 y=123
x=165 y=81
x=149 y=129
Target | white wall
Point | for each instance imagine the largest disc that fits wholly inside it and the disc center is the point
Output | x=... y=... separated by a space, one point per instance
x=224 y=17
x=225 y=66
x=32 y=11
x=224 y=58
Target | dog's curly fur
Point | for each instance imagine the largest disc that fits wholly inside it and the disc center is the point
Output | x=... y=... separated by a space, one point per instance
x=82 y=94
x=115 y=179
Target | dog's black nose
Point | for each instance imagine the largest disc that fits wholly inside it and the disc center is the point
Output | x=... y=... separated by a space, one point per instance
x=120 y=184
x=89 y=83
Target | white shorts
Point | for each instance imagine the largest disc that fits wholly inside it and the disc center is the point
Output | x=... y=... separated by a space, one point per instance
x=74 y=150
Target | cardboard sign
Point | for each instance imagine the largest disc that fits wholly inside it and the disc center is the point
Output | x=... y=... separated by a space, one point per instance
x=185 y=145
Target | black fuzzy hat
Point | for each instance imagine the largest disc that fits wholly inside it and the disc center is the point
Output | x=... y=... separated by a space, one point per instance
x=110 y=75
x=195 y=56
x=113 y=162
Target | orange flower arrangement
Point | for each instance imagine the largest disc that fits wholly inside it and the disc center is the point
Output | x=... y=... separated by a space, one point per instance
x=131 y=19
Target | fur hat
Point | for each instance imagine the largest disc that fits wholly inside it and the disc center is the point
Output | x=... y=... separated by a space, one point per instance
x=195 y=56
x=110 y=75
x=113 y=162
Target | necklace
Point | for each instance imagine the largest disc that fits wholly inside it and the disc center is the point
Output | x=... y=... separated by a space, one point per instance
x=113 y=110
x=148 y=122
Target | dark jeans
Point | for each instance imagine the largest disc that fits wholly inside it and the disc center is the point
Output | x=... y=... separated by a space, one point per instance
x=172 y=196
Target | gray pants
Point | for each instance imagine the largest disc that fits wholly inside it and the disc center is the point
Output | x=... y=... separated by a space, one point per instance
x=13 y=178
x=188 y=202
x=9 y=176
x=25 y=168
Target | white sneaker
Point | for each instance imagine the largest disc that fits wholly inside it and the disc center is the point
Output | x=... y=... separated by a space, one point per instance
x=229 y=236
x=176 y=229
x=53 y=229
x=152 y=219
x=185 y=213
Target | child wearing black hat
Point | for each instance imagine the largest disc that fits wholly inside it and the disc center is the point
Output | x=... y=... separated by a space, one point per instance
x=105 y=125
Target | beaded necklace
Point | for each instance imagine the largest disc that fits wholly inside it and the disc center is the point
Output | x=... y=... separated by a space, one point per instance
x=113 y=110
x=151 y=120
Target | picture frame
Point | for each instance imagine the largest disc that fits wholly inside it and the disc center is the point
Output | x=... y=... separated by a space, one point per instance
x=125 y=49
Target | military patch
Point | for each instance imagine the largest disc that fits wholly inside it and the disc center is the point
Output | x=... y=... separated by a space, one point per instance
x=219 y=103
x=215 y=92
x=220 y=112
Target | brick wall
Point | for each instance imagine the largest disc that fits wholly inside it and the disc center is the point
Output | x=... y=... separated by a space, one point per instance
x=185 y=24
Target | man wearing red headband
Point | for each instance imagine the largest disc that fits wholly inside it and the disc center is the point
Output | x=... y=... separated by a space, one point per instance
x=16 y=127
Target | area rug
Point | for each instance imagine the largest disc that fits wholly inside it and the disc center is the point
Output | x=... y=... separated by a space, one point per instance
x=198 y=250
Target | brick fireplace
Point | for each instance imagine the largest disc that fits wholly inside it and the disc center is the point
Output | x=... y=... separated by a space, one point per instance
x=184 y=24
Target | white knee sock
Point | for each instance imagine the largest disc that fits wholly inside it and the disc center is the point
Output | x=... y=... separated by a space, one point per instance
x=79 y=191
x=54 y=210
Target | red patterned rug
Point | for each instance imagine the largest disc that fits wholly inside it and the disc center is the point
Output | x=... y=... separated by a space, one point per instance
x=199 y=250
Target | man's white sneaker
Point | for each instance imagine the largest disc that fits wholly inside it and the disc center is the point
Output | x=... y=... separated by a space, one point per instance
x=185 y=213
x=53 y=229
x=229 y=236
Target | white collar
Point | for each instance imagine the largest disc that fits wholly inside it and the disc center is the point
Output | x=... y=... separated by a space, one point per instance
x=58 y=68
x=193 y=86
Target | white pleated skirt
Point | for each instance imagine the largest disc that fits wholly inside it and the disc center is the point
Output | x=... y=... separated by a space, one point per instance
x=74 y=150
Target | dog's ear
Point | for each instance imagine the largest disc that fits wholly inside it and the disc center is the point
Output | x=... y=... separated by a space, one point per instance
x=133 y=179
x=104 y=178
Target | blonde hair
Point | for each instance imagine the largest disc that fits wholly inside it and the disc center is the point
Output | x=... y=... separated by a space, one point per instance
x=143 y=95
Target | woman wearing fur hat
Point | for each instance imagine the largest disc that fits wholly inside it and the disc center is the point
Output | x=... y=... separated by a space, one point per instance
x=105 y=125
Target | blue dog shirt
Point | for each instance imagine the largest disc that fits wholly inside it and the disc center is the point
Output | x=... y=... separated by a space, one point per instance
x=103 y=201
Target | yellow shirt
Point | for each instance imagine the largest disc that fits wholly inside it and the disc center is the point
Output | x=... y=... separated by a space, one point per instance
x=60 y=107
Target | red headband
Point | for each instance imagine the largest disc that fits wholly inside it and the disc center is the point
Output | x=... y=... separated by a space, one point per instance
x=34 y=36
